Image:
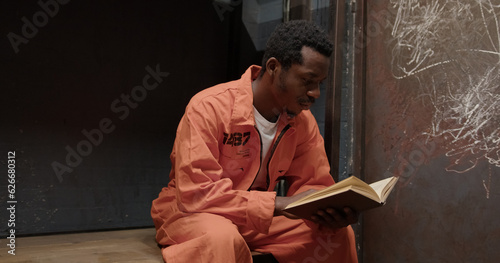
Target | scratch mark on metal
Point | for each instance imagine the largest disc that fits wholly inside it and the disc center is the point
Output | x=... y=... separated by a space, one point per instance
x=452 y=49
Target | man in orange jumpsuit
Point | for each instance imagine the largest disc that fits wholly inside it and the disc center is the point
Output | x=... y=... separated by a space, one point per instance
x=234 y=143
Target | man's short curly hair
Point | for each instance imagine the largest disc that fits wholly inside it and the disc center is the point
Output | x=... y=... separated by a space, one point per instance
x=287 y=40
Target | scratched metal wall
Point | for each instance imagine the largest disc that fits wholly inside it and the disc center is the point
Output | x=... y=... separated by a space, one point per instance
x=433 y=119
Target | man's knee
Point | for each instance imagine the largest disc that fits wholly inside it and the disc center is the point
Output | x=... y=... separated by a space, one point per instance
x=225 y=234
x=213 y=237
x=212 y=229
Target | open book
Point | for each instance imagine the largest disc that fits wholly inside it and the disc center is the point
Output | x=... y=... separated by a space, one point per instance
x=351 y=192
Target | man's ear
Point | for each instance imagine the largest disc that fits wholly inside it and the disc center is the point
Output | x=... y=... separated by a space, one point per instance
x=273 y=67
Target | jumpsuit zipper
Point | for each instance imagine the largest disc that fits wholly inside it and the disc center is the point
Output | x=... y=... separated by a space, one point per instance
x=275 y=145
x=268 y=179
x=260 y=161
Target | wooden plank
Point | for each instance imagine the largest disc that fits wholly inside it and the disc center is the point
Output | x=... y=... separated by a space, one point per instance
x=136 y=245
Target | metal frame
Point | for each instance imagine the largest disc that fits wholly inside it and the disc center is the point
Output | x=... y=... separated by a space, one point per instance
x=337 y=31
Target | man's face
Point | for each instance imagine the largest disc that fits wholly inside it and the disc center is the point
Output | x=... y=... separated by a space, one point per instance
x=298 y=87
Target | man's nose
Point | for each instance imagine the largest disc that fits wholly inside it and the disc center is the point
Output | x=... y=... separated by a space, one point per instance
x=314 y=92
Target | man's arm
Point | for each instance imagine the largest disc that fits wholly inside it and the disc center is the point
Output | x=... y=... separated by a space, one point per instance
x=329 y=218
x=310 y=171
x=201 y=186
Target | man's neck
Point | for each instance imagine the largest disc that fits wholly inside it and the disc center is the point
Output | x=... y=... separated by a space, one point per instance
x=263 y=100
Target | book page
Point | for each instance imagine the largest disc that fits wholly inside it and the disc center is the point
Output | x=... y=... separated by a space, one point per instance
x=384 y=187
x=331 y=189
x=351 y=192
x=352 y=183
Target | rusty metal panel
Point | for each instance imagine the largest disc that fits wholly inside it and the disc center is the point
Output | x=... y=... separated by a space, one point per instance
x=432 y=117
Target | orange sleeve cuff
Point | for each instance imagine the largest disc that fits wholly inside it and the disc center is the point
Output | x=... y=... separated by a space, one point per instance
x=260 y=210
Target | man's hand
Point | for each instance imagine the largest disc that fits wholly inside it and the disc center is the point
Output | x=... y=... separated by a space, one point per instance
x=330 y=217
x=335 y=219
x=281 y=202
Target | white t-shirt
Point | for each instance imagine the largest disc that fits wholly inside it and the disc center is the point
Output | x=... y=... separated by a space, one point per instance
x=267 y=132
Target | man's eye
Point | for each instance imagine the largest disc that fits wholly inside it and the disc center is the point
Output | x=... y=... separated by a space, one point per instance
x=307 y=81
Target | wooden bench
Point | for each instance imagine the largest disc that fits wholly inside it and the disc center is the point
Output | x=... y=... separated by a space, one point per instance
x=134 y=245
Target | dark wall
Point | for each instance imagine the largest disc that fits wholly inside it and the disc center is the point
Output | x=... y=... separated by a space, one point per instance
x=91 y=143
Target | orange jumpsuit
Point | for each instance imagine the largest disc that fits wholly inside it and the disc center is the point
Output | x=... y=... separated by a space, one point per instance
x=208 y=214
